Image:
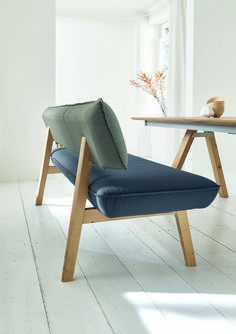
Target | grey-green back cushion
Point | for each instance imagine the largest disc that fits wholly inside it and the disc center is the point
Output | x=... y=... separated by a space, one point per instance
x=97 y=122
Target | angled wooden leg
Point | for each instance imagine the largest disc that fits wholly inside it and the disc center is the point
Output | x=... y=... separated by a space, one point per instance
x=185 y=238
x=216 y=165
x=44 y=167
x=78 y=211
x=184 y=149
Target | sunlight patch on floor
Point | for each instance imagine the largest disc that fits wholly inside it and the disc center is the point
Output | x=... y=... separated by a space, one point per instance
x=184 y=311
x=58 y=201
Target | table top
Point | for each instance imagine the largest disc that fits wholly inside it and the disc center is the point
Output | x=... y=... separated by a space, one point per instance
x=221 y=124
x=194 y=120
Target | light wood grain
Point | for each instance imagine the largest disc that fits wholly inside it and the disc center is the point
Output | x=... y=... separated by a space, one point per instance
x=92 y=215
x=53 y=170
x=44 y=167
x=216 y=165
x=184 y=149
x=78 y=209
x=185 y=238
x=194 y=120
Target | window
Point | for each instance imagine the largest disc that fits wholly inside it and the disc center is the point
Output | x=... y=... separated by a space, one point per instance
x=158 y=42
x=164 y=47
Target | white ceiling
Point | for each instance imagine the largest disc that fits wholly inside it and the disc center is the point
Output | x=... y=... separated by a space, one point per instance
x=109 y=9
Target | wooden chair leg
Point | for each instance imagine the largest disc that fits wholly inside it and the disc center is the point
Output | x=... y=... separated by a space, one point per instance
x=58 y=145
x=44 y=167
x=216 y=165
x=185 y=238
x=184 y=149
x=78 y=211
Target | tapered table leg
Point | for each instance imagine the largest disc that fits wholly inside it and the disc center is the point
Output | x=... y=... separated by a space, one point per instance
x=184 y=149
x=216 y=165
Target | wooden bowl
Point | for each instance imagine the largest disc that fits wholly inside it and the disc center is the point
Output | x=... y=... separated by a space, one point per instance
x=218 y=105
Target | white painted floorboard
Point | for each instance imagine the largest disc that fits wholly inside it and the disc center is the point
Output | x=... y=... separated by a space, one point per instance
x=72 y=307
x=130 y=275
x=22 y=308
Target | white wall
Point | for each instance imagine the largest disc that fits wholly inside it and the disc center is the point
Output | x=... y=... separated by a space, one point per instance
x=95 y=58
x=214 y=72
x=26 y=84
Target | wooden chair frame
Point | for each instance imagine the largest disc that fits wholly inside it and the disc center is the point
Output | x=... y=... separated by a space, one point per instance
x=81 y=215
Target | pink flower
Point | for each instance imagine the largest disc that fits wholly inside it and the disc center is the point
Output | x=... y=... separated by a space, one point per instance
x=155 y=87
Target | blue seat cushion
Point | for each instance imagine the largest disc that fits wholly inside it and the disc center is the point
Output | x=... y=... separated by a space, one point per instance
x=146 y=187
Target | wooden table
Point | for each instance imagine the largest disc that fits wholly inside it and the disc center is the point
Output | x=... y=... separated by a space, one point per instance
x=193 y=126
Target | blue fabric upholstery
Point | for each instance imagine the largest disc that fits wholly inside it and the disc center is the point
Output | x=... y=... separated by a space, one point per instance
x=145 y=188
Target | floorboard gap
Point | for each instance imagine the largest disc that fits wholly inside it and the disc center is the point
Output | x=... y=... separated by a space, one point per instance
x=90 y=287
x=130 y=273
x=35 y=261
